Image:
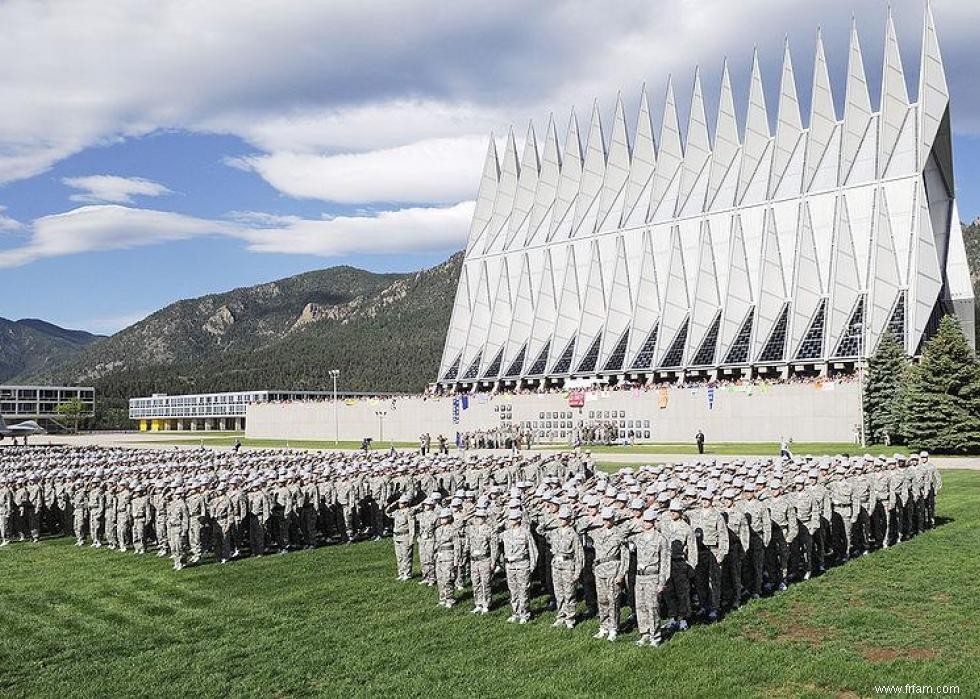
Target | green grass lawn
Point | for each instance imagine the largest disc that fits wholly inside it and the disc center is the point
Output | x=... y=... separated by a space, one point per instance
x=272 y=443
x=334 y=622
x=743 y=448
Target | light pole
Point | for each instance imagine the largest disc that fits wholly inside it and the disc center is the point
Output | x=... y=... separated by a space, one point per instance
x=335 y=374
x=381 y=423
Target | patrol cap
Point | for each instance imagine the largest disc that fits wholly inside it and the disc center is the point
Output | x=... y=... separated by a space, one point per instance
x=514 y=514
x=564 y=512
x=637 y=504
x=664 y=496
x=676 y=506
x=608 y=513
x=650 y=515
x=405 y=499
x=445 y=513
x=480 y=512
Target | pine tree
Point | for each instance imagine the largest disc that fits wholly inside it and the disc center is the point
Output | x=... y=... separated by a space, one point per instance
x=884 y=385
x=942 y=405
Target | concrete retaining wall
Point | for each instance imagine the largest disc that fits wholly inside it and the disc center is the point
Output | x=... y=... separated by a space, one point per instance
x=805 y=412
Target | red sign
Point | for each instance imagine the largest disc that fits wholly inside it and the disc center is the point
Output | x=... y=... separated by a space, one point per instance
x=576 y=399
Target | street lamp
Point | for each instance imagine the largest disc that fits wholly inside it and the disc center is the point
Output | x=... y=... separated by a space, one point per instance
x=381 y=422
x=335 y=374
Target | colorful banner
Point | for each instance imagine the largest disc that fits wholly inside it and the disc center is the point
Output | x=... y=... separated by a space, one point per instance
x=576 y=399
x=465 y=402
x=711 y=398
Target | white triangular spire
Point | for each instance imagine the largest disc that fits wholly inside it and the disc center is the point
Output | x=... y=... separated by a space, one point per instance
x=617 y=173
x=755 y=145
x=926 y=276
x=789 y=130
x=476 y=336
x=503 y=204
x=676 y=299
x=706 y=297
x=568 y=183
x=894 y=99
x=845 y=282
x=522 y=316
x=485 y=196
x=587 y=201
x=958 y=279
x=620 y=311
x=546 y=190
x=642 y=165
x=697 y=150
x=725 y=152
x=458 y=323
x=738 y=295
x=823 y=117
x=857 y=107
x=933 y=90
x=646 y=311
x=772 y=285
x=593 y=307
x=500 y=320
x=885 y=283
x=545 y=309
x=807 y=288
x=527 y=183
x=569 y=307
x=668 y=159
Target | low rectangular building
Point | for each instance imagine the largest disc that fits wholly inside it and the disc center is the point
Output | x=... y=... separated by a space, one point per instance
x=41 y=402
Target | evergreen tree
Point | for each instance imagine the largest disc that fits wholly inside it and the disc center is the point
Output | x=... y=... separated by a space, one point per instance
x=942 y=405
x=884 y=384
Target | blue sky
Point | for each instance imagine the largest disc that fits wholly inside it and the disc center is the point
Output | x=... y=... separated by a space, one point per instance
x=158 y=151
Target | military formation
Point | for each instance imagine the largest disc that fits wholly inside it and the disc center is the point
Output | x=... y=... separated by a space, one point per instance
x=673 y=543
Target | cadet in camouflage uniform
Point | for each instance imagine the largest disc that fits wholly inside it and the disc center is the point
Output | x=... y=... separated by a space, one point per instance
x=567 y=561
x=483 y=544
x=178 y=521
x=258 y=514
x=785 y=527
x=426 y=519
x=6 y=510
x=711 y=533
x=140 y=512
x=652 y=573
x=158 y=500
x=520 y=558
x=197 y=509
x=308 y=502
x=124 y=515
x=738 y=544
x=79 y=499
x=684 y=559
x=223 y=513
x=95 y=507
x=842 y=500
x=448 y=547
x=609 y=569
x=403 y=535
x=760 y=532
x=109 y=516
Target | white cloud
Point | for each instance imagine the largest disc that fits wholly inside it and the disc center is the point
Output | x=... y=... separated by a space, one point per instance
x=7 y=223
x=114 y=227
x=432 y=171
x=113 y=189
x=325 y=78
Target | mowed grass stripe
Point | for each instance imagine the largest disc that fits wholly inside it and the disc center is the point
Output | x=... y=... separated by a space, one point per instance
x=86 y=622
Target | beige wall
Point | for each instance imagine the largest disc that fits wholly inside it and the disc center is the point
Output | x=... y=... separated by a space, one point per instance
x=803 y=412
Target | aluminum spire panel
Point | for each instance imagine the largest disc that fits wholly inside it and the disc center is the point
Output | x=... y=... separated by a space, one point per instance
x=772 y=285
x=697 y=152
x=668 y=161
x=569 y=308
x=485 y=196
x=807 y=287
x=676 y=299
x=545 y=312
x=894 y=100
x=620 y=303
x=738 y=295
x=593 y=171
x=885 y=281
x=527 y=183
x=706 y=297
x=522 y=317
x=500 y=321
x=646 y=311
x=933 y=90
x=613 y=194
x=503 y=204
x=857 y=108
x=546 y=190
x=459 y=323
x=845 y=283
x=476 y=337
x=755 y=146
x=789 y=132
x=568 y=183
x=926 y=279
x=823 y=120
x=593 y=307
x=725 y=153
x=958 y=279
x=642 y=164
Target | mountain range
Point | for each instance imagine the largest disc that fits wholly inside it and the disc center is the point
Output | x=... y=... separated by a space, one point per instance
x=383 y=332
